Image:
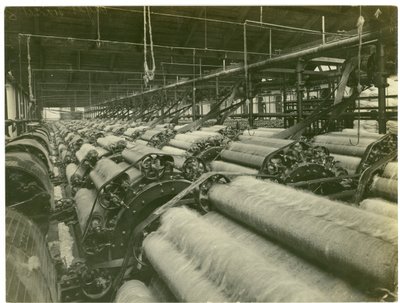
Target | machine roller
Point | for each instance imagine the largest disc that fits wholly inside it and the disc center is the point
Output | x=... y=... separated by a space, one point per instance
x=112 y=143
x=385 y=187
x=270 y=142
x=325 y=250
x=28 y=186
x=157 y=137
x=40 y=137
x=236 y=238
x=88 y=153
x=33 y=147
x=134 y=132
x=152 y=162
x=75 y=143
x=84 y=201
x=391 y=171
x=377 y=234
x=380 y=207
x=76 y=176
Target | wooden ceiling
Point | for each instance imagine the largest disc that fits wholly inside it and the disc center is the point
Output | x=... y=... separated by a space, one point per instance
x=79 y=71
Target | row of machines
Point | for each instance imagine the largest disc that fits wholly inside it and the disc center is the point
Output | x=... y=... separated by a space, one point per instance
x=30 y=176
x=170 y=213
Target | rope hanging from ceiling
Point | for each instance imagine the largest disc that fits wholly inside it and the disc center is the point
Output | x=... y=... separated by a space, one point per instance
x=148 y=73
x=28 y=41
x=360 y=24
x=98 y=29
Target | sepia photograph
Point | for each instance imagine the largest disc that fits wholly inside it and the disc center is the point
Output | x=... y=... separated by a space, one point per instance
x=200 y=153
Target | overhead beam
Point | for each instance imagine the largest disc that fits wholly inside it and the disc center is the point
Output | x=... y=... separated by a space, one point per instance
x=305 y=72
x=328 y=60
x=305 y=53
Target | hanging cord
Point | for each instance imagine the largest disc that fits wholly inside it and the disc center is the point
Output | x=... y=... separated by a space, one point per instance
x=28 y=42
x=360 y=24
x=148 y=74
x=98 y=28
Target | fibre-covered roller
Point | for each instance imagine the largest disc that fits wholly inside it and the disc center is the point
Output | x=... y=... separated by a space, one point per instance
x=204 y=134
x=61 y=148
x=332 y=287
x=358 y=243
x=152 y=162
x=75 y=143
x=384 y=187
x=179 y=161
x=68 y=137
x=344 y=145
x=240 y=273
x=105 y=171
x=134 y=174
x=348 y=162
x=161 y=290
x=216 y=127
x=354 y=132
x=224 y=130
x=141 y=142
x=259 y=133
x=134 y=132
x=349 y=150
x=184 y=279
x=93 y=135
x=179 y=126
x=148 y=135
x=109 y=128
x=118 y=129
x=391 y=171
x=251 y=149
x=341 y=140
x=87 y=152
x=158 y=137
x=84 y=200
x=271 y=142
x=70 y=171
x=138 y=152
x=189 y=138
x=173 y=151
x=250 y=160
x=134 y=291
x=66 y=157
x=164 y=126
x=270 y=129
x=181 y=144
x=112 y=143
x=222 y=166
x=380 y=207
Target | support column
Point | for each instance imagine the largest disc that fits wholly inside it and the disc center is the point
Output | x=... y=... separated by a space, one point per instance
x=194 y=87
x=194 y=102
x=285 y=122
x=216 y=87
x=163 y=102
x=299 y=89
x=250 y=96
x=382 y=84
